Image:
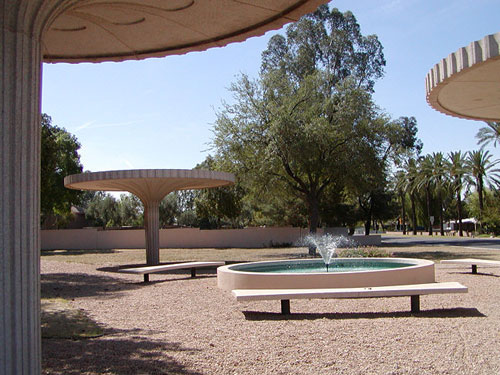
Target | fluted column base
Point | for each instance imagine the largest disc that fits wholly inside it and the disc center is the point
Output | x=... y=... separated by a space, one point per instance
x=152 y=229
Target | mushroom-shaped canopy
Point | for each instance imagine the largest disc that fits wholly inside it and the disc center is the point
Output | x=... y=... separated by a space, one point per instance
x=116 y=30
x=149 y=184
x=466 y=84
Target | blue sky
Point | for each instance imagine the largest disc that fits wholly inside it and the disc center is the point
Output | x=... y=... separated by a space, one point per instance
x=158 y=113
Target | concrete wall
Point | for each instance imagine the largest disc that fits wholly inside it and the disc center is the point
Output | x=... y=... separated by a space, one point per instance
x=94 y=238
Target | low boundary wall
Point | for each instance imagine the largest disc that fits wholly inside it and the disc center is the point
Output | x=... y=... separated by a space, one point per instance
x=98 y=239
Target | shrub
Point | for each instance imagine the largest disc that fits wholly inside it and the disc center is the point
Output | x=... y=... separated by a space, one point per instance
x=363 y=252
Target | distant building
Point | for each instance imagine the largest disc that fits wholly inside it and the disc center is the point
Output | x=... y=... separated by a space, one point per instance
x=468 y=225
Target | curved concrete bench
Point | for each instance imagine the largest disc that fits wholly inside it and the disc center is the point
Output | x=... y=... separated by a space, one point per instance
x=167 y=267
x=473 y=262
x=414 y=291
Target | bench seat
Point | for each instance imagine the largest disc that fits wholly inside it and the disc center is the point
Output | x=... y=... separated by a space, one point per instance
x=285 y=295
x=146 y=270
x=473 y=262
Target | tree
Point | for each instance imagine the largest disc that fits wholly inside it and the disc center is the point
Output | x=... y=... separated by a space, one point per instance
x=403 y=140
x=213 y=206
x=438 y=179
x=425 y=180
x=488 y=134
x=410 y=185
x=59 y=158
x=130 y=211
x=296 y=126
x=457 y=172
x=169 y=210
x=103 y=210
x=481 y=172
x=491 y=211
x=400 y=180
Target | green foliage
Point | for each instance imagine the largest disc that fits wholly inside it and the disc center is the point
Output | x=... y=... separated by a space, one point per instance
x=328 y=41
x=363 y=252
x=291 y=133
x=59 y=158
x=490 y=222
x=438 y=185
x=169 y=210
x=489 y=134
x=103 y=210
x=481 y=173
x=219 y=206
x=130 y=211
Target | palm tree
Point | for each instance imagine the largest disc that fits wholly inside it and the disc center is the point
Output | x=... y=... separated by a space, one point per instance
x=457 y=173
x=481 y=172
x=410 y=185
x=438 y=178
x=424 y=180
x=489 y=133
x=401 y=179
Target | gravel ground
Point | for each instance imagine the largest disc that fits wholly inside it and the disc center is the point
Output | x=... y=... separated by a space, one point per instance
x=179 y=325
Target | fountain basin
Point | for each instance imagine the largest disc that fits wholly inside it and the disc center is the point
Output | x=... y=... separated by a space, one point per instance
x=343 y=273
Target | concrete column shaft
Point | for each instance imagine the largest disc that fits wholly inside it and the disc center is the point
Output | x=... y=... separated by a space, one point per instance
x=20 y=69
x=22 y=23
x=152 y=229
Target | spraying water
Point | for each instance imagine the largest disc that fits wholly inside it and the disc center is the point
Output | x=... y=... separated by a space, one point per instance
x=327 y=245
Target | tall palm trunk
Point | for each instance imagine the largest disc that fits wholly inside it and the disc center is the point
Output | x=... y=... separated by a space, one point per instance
x=441 y=224
x=403 y=211
x=480 y=196
x=428 y=201
x=459 y=212
x=413 y=213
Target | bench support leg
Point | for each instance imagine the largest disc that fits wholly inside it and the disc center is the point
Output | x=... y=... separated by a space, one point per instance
x=415 y=304
x=193 y=272
x=285 y=307
x=146 y=277
x=474 y=268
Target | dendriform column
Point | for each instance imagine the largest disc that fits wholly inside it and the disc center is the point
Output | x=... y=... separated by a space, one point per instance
x=152 y=229
x=22 y=23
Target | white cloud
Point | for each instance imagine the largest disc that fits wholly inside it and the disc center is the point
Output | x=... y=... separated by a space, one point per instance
x=96 y=125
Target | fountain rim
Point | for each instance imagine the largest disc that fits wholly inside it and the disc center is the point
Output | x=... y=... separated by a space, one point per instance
x=414 y=263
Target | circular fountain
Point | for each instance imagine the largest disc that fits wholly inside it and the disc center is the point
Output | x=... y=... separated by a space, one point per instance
x=329 y=272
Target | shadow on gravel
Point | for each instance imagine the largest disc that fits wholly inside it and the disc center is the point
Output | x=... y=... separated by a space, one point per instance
x=77 y=252
x=471 y=274
x=436 y=255
x=73 y=285
x=434 y=313
x=440 y=241
x=132 y=355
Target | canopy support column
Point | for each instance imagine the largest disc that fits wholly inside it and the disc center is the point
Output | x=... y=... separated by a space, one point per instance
x=20 y=69
x=152 y=229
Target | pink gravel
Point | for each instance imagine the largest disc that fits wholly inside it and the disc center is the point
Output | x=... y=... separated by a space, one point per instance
x=179 y=325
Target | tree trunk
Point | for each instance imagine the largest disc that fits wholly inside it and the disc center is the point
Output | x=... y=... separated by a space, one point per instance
x=413 y=213
x=459 y=212
x=313 y=207
x=368 y=224
x=441 y=224
x=368 y=218
x=428 y=201
x=403 y=213
x=480 y=196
